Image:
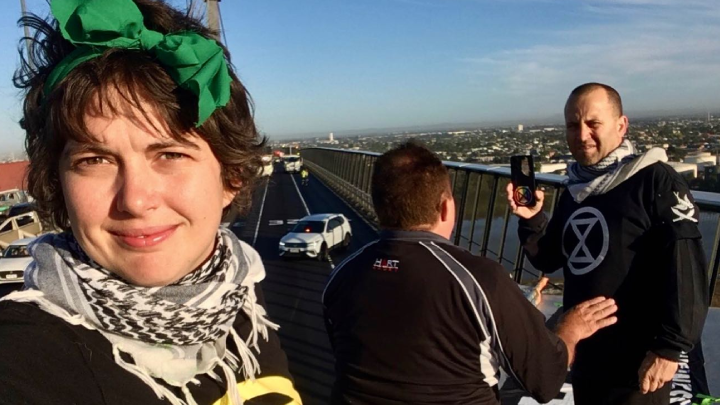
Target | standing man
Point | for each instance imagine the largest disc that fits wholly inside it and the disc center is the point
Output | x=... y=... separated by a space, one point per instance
x=413 y=319
x=626 y=228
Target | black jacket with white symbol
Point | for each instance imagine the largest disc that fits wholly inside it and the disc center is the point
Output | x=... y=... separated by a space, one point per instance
x=413 y=319
x=640 y=244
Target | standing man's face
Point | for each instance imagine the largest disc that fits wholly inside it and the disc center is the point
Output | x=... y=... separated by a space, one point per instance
x=594 y=126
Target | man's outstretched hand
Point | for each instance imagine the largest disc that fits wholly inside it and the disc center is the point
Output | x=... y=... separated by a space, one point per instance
x=583 y=320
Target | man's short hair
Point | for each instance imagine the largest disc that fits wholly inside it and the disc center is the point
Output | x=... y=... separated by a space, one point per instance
x=409 y=184
x=613 y=95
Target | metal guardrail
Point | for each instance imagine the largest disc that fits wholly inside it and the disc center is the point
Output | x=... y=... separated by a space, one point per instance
x=476 y=188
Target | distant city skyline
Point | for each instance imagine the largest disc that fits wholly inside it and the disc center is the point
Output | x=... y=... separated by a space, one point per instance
x=320 y=66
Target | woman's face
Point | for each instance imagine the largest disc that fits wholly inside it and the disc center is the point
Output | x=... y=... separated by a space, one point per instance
x=142 y=205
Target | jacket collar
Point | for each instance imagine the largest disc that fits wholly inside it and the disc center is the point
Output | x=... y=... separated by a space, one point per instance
x=387 y=234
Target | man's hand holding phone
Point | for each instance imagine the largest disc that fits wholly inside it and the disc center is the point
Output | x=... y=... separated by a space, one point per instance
x=526 y=212
x=522 y=192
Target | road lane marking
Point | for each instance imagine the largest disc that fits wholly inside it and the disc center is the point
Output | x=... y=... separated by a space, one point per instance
x=275 y=222
x=262 y=205
x=300 y=194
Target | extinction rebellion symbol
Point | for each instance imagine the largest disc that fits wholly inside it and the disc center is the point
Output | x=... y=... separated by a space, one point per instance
x=583 y=230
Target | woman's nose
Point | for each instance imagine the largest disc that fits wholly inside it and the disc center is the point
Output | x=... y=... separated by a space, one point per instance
x=138 y=193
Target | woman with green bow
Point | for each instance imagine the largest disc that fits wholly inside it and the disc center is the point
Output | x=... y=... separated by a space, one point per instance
x=140 y=137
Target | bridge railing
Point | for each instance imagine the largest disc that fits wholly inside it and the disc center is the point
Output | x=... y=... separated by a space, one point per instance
x=484 y=223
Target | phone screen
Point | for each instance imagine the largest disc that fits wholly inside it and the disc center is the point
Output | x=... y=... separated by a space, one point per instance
x=523 y=180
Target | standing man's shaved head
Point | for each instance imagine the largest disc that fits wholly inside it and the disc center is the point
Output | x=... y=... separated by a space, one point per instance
x=612 y=94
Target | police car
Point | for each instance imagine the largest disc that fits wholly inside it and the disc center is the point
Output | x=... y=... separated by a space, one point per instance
x=316 y=235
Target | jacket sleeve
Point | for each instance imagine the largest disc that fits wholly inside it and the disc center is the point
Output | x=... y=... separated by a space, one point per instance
x=529 y=352
x=547 y=237
x=685 y=278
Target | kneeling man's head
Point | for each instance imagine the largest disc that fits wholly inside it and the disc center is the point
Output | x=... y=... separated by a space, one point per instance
x=411 y=190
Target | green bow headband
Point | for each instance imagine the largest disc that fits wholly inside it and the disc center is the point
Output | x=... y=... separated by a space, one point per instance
x=195 y=63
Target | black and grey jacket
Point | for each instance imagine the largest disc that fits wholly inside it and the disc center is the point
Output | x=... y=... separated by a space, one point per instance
x=414 y=319
x=640 y=244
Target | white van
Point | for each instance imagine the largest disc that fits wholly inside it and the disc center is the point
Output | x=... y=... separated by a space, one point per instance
x=293 y=164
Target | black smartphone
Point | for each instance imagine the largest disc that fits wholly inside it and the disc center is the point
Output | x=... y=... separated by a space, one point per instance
x=522 y=174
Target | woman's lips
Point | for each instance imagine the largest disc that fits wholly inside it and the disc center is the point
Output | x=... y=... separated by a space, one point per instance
x=147 y=237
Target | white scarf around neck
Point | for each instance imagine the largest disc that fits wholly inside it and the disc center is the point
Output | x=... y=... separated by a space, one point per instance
x=143 y=322
x=618 y=166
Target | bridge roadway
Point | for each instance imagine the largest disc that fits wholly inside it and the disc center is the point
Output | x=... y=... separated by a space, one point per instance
x=293 y=287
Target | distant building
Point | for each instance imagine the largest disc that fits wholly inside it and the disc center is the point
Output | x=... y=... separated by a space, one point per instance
x=701 y=158
x=484 y=159
x=520 y=127
x=558 y=158
x=552 y=167
x=687 y=170
x=330 y=138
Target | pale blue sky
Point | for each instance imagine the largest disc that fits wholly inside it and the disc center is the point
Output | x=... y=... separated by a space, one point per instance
x=316 y=66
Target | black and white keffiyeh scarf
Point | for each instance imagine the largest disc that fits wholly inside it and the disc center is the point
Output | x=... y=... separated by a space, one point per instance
x=618 y=166
x=172 y=333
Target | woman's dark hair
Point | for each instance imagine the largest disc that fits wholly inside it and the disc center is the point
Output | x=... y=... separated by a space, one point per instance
x=109 y=84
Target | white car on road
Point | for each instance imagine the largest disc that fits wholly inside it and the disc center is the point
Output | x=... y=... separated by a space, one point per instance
x=15 y=259
x=316 y=235
x=292 y=163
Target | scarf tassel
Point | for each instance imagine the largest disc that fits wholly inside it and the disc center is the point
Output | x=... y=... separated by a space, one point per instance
x=188 y=396
x=250 y=365
x=258 y=318
x=232 y=391
x=160 y=391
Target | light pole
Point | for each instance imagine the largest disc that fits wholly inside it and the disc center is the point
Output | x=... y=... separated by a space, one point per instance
x=213 y=17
